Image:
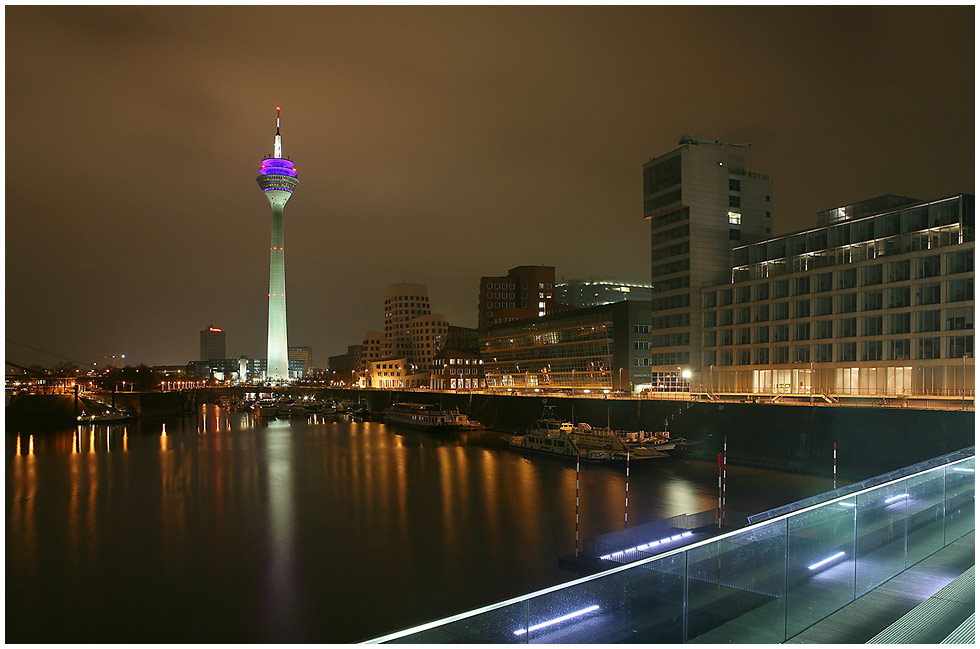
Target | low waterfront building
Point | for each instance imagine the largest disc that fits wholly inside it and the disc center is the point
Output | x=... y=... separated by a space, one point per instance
x=395 y=373
x=456 y=369
x=599 y=348
x=878 y=300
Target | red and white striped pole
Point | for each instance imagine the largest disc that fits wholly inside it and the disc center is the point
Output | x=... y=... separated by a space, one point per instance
x=626 y=515
x=835 y=465
x=576 y=503
x=718 y=514
x=724 y=477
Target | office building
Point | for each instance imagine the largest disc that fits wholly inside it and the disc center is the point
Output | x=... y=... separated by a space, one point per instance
x=301 y=356
x=455 y=369
x=525 y=292
x=212 y=343
x=868 y=303
x=277 y=178
x=701 y=201
x=598 y=348
x=395 y=373
x=465 y=339
x=581 y=293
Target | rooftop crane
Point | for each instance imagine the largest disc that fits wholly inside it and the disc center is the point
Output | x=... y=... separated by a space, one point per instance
x=690 y=139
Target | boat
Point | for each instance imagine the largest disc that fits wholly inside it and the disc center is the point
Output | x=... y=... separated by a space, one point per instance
x=265 y=408
x=103 y=418
x=554 y=437
x=428 y=416
x=566 y=439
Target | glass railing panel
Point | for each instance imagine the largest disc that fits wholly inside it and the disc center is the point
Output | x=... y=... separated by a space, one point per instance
x=496 y=626
x=654 y=602
x=880 y=535
x=960 y=492
x=819 y=563
x=736 y=588
x=589 y=612
x=925 y=514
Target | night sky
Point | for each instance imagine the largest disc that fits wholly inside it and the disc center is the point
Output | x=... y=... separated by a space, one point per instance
x=434 y=145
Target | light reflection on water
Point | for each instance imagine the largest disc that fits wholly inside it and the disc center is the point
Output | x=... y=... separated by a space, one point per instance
x=315 y=530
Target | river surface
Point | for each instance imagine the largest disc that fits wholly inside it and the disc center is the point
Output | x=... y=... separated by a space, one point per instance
x=213 y=529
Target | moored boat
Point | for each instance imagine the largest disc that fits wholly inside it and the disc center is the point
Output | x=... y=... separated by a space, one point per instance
x=428 y=416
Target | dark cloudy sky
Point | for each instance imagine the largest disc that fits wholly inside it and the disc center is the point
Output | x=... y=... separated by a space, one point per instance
x=434 y=145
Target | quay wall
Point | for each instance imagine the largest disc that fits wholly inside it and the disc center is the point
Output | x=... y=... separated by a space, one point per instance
x=795 y=438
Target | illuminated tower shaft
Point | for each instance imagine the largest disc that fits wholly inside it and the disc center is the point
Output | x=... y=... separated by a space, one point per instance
x=277 y=178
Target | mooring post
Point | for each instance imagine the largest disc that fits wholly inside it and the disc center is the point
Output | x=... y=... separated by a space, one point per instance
x=626 y=515
x=718 y=513
x=576 y=504
x=835 y=465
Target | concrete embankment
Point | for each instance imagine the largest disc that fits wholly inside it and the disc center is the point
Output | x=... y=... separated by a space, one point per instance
x=781 y=437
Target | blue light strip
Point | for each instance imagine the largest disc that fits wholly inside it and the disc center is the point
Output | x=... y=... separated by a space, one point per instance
x=646 y=546
x=827 y=560
x=557 y=620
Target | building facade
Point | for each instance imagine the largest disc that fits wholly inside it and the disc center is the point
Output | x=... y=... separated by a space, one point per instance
x=599 y=348
x=212 y=343
x=465 y=339
x=301 y=354
x=581 y=293
x=395 y=373
x=455 y=369
x=525 y=292
x=701 y=202
x=870 y=303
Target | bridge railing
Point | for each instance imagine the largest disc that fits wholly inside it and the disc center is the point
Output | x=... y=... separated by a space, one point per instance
x=763 y=583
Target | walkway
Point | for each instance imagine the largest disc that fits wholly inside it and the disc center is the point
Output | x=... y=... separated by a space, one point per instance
x=867 y=616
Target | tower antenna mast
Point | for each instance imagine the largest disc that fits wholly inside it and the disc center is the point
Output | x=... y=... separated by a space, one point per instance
x=278 y=148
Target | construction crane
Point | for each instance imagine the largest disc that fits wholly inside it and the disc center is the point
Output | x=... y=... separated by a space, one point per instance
x=690 y=139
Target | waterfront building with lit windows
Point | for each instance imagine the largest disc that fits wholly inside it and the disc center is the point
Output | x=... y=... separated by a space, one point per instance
x=877 y=300
x=395 y=373
x=597 y=349
x=455 y=369
x=581 y=293
x=525 y=292
x=701 y=201
x=300 y=361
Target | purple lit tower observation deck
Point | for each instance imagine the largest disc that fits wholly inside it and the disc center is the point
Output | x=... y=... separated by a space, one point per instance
x=277 y=178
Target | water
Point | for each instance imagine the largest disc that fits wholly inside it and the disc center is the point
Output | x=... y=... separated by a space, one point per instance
x=215 y=530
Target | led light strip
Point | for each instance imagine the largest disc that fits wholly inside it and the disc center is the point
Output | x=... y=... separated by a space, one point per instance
x=894 y=498
x=646 y=546
x=827 y=560
x=963 y=470
x=557 y=620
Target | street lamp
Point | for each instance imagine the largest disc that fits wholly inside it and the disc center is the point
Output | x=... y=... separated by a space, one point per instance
x=620 y=379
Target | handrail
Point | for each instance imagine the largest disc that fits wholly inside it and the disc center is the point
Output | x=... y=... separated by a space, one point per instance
x=966 y=455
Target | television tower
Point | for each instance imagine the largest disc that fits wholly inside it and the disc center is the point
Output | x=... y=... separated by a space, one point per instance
x=277 y=178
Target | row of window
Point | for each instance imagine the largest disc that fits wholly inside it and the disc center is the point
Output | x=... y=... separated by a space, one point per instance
x=899 y=323
x=856 y=231
x=898 y=298
x=900 y=271
x=931 y=240
x=868 y=350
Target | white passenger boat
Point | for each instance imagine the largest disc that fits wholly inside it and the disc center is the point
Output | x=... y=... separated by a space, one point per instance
x=427 y=416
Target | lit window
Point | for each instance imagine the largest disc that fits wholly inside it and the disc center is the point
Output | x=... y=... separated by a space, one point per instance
x=735 y=218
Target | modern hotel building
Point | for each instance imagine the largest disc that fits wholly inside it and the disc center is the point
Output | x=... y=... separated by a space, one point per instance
x=876 y=300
